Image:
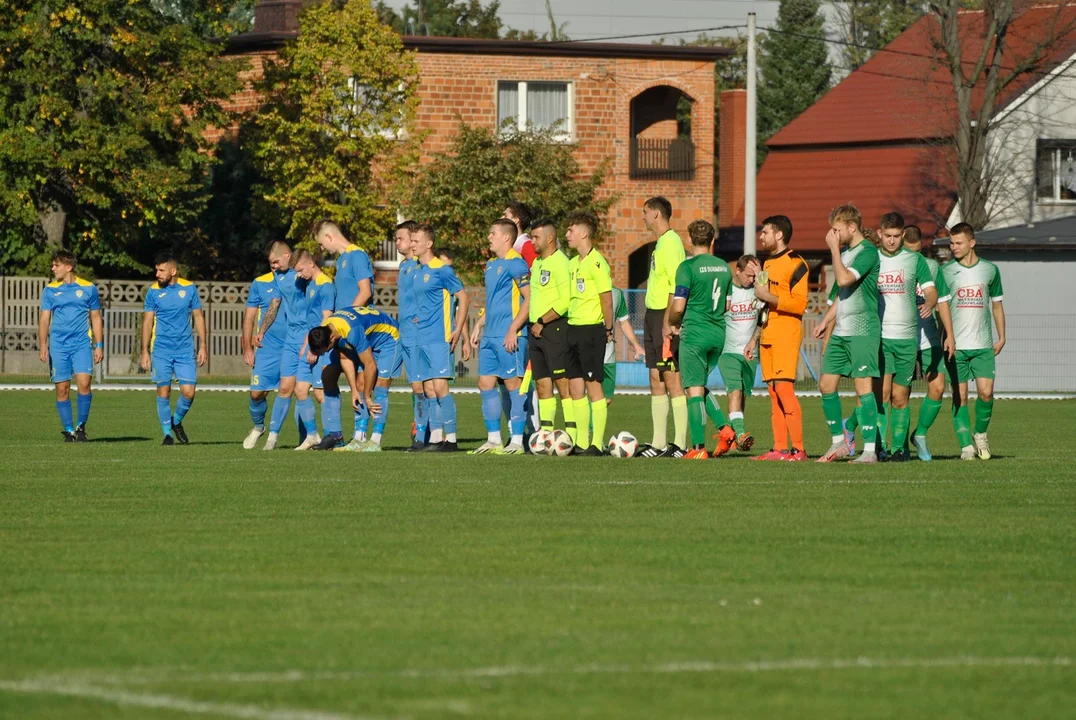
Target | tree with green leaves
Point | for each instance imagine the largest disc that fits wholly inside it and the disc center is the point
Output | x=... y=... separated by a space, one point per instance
x=103 y=107
x=331 y=133
x=464 y=189
x=794 y=67
x=867 y=25
x=444 y=18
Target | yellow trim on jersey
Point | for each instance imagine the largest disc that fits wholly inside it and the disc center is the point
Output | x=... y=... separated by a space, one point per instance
x=267 y=277
x=54 y=284
x=155 y=286
x=512 y=254
x=350 y=247
x=83 y=283
x=384 y=328
x=340 y=325
x=446 y=304
x=322 y=278
x=184 y=283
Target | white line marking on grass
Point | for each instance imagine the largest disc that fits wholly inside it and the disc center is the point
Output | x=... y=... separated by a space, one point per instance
x=163 y=702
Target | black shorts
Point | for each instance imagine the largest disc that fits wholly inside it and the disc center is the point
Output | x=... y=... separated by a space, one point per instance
x=653 y=341
x=548 y=354
x=586 y=352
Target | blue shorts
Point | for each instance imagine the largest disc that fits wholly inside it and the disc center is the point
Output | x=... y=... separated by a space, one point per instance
x=433 y=360
x=266 y=373
x=64 y=363
x=312 y=373
x=389 y=360
x=494 y=360
x=290 y=361
x=166 y=365
x=407 y=353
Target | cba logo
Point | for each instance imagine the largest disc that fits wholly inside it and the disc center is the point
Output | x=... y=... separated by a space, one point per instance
x=544 y=277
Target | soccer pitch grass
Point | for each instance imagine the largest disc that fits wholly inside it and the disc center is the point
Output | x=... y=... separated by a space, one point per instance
x=145 y=582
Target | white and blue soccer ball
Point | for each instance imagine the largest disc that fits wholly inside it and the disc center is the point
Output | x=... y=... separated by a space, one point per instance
x=559 y=443
x=623 y=445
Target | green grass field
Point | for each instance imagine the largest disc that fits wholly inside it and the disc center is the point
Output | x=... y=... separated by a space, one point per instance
x=146 y=582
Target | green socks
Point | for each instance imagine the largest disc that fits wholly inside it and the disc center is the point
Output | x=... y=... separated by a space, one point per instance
x=831 y=408
x=883 y=425
x=902 y=420
x=547 y=412
x=962 y=425
x=868 y=421
x=582 y=423
x=852 y=422
x=713 y=409
x=984 y=410
x=928 y=413
x=599 y=413
x=696 y=421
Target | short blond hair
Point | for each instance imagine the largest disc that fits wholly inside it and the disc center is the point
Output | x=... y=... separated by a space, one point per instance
x=848 y=214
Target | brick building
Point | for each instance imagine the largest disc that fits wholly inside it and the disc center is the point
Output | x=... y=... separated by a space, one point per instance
x=626 y=102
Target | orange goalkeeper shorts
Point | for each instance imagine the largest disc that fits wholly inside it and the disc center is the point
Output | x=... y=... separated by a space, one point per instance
x=779 y=361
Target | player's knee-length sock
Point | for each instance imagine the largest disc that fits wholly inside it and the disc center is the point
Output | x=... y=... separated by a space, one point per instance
x=679 y=413
x=517 y=416
x=984 y=410
x=307 y=415
x=567 y=410
x=547 y=412
x=491 y=414
x=258 y=409
x=422 y=417
x=962 y=425
x=183 y=406
x=599 y=415
x=790 y=406
x=530 y=407
x=381 y=417
x=330 y=413
x=66 y=417
x=928 y=413
x=582 y=422
x=713 y=409
x=659 y=417
x=448 y=416
x=883 y=426
x=777 y=420
x=164 y=415
x=900 y=420
x=437 y=422
x=831 y=408
x=736 y=418
x=84 y=402
x=506 y=400
x=868 y=421
x=852 y=421
x=697 y=421
x=281 y=408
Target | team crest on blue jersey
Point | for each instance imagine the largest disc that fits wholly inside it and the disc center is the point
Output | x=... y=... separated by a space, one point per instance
x=78 y=293
x=544 y=278
x=343 y=264
x=500 y=269
x=426 y=278
x=311 y=293
x=183 y=293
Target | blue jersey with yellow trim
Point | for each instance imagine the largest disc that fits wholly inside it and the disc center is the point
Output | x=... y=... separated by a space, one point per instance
x=434 y=285
x=262 y=292
x=504 y=278
x=363 y=327
x=70 y=305
x=172 y=306
x=320 y=296
x=292 y=289
x=352 y=267
x=405 y=300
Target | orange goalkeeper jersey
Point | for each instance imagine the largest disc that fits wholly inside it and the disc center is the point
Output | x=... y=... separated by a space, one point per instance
x=788 y=281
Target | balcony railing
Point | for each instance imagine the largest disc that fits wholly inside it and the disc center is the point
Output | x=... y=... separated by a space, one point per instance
x=653 y=159
x=384 y=251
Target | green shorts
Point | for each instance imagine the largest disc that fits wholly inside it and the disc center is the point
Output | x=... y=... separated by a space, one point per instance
x=931 y=360
x=609 y=380
x=898 y=360
x=697 y=362
x=970 y=364
x=736 y=372
x=853 y=357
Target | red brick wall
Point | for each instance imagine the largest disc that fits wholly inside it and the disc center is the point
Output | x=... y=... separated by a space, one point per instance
x=733 y=149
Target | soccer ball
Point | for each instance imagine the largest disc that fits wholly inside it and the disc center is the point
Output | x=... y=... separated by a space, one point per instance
x=623 y=445
x=559 y=443
x=540 y=442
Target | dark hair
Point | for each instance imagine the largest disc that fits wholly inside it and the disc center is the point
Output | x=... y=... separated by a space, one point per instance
x=661 y=204
x=427 y=229
x=744 y=261
x=782 y=224
x=445 y=252
x=320 y=338
x=408 y=225
x=701 y=232
x=64 y=257
x=164 y=257
x=507 y=227
x=277 y=246
x=303 y=254
x=912 y=234
x=892 y=221
x=588 y=219
x=962 y=228
x=522 y=213
x=543 y=222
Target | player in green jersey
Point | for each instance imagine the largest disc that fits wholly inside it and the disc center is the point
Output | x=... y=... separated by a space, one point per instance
x=975 y=285
x=739 y=358
x=623 y=319
x=852 y=351
x=590 y=327
x=933 y=346
x=698 y=309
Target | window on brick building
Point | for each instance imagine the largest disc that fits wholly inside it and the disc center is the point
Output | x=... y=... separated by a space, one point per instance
x=368 y=106
x=537 y=104
x=1055 y=171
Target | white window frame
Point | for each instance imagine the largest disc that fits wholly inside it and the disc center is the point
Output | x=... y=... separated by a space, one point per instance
x=567 y=130
x=1054 y=146
x=355 y=89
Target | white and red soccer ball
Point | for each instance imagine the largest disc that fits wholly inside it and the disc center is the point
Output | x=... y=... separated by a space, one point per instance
x=623 y=445
x=550 y=442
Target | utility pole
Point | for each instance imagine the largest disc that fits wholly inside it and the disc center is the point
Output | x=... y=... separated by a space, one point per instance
x=749 y=200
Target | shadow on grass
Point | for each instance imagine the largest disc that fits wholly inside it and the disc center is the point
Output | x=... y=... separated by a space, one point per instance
x=121 y=439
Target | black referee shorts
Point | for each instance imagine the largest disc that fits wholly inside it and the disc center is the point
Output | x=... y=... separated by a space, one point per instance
x=653 y=341
x=586 y=352
x=548 y=354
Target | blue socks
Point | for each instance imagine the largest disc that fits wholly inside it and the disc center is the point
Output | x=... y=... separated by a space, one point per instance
x=330 y=414
x=506 y=400
x=281 y=407
x=448 y=416
x=517 y=419
x=64 y=408
x=362 y=419
x=258 y=408
x=381 y=397
x=422 y=416
x=437 y=422
x=491 y=409
x=182 y=406
x=307 y=415
x=164 y=415
x=84 y=407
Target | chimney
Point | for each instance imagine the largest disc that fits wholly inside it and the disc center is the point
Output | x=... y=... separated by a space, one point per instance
x=277 y=16
x=732 y=157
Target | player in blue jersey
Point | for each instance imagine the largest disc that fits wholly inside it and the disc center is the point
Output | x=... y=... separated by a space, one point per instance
x=350 y=333
x=168 y=344
x=69 y=307
x=434 y=286
x=320 y=304
x=264 y=361
x=500 y=336
x=407 y=318
x=354 y=272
